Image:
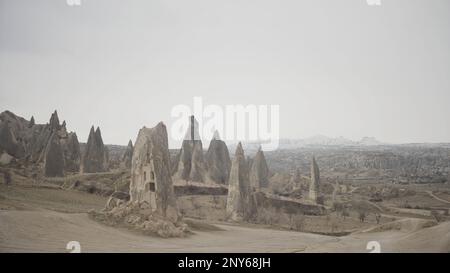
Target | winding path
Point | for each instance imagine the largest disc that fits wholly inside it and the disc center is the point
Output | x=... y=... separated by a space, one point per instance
x=436 y=197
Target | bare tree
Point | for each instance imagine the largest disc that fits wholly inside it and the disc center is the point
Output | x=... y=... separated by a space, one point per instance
x=362 y=215
x=7 y=177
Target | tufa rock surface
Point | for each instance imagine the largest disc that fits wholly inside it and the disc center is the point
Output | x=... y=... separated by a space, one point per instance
x=28 y=141
x=151 y=180
x=190 y=165
x=259 y=173
x=95 y=157
x=127 y=156
x=240 y=204
x=218 y=160
x=54 y=158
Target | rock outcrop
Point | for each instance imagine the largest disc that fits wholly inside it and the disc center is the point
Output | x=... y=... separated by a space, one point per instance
x=315 y=181
x=8 y=141
x=190 y=165
x=259 y=173
x=240 y=203
x=72 y=154
x=54 y=158
x=151 y=180
x=127 y=156
x=32 y=123
x=54 y=121
x=218 y=160
x=29 y=142
x=95 y=157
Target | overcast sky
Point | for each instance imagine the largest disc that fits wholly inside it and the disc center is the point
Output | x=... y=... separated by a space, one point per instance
x=337 y=68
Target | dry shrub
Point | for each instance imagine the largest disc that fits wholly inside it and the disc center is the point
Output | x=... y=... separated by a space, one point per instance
x=141 y=218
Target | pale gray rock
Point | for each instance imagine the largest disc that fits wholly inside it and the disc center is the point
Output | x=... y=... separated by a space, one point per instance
x=127 y=156
x=95 y=156
x=151 y=180
x=54 y=158
x=259 y=173
x=9 y=142
x=218 y=160
x=72 y=154
x=190 y=165
x=240 y=203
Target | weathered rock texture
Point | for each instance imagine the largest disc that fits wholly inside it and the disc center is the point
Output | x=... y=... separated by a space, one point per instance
x=240 y=203
x=72 y=154
x=151 y=180
x=54 y=158
x=29 y=142
x=218 y=161
x=190 y=164
x=315 y=181
x=127 y=156
x=259 y=173
x=95 y=157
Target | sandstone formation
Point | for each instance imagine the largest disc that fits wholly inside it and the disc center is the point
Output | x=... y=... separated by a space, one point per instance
x=259 y=173
x=151 y=180
x=218 y=160
x=127 y=156
x=315 y=181
x=95 y=157
x=29 y=142
x=190 y=165
x=54 y=158
x=240 y=204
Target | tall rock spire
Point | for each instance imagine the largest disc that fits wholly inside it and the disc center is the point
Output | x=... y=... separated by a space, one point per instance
x=95 y=155
x=240 y=205
x=259 y=173
x=218 y=160
x=315 y=181
x=32 y=123
x=190 y=165
x=54 y=121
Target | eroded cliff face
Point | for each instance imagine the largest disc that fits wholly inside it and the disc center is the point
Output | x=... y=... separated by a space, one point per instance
x=151 y=180
x=31 y=142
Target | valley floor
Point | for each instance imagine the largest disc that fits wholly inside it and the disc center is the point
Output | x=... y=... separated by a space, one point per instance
x=41 y=219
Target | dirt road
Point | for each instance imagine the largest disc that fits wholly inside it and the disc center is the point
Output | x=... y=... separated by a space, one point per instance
x=50 y=231
x=437 y=198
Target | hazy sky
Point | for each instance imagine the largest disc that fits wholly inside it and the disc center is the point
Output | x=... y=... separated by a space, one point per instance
x=337 y=68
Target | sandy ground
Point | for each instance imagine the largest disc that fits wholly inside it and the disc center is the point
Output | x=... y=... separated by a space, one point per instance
x=45 y=219
x=50 y=231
